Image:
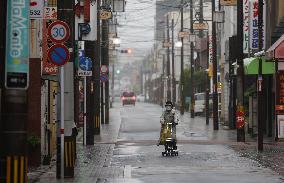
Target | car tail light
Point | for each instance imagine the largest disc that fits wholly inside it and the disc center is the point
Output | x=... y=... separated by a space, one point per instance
x=133 y=98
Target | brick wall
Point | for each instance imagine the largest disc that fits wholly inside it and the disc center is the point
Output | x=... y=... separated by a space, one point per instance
x=34 y=109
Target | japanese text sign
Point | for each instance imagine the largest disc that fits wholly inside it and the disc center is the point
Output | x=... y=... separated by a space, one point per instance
x=280 y=92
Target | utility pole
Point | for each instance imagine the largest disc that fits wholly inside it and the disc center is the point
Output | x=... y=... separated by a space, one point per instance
x=207 y=90
x=181 y=63
x=96 y=81
x=107 y=64
x=201 y=16
x=240 y=71
x=214 y=65
x=66 y=97
x=173 y=65
x=191 y=64
x=207 y=81
x=3 y=9
x=104 y=61
x=260 y=78
x=168 y=62
x=14 y=112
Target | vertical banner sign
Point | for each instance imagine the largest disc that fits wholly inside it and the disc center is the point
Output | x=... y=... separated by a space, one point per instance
x=210 y=49
x=85 y=26
x=17 y=44
x=246 y=13
x=279 y=108
x=254 y=24
x=279 y=93
x=87 y=10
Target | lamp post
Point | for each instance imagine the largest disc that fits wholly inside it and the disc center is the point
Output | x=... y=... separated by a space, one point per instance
x=260 y=80
x=218 y=17
x=173 y=66
x=168 y=62
x=191 y=62
x=240 y=71
x=214 y=64
x=181 y=65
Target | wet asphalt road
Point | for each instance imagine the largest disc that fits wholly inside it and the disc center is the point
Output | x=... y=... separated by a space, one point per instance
x=204 y=155
x=126 y=152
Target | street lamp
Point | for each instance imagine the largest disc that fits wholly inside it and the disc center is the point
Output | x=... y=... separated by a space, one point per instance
x=116 y=41
x=178 y=44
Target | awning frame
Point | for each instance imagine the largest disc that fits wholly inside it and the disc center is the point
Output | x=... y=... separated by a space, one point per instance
x=276 y=51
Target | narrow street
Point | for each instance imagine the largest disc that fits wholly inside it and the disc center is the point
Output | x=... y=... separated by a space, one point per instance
x=126 y=151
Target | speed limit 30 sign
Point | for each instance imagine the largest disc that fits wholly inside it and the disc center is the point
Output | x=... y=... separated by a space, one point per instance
x=59 y=31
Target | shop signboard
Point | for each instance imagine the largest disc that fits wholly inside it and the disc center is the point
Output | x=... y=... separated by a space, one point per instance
x=279 y=93
x=36 y=9
x=17 y=44
x=246 y=16
x=228 y=2
x=254 y=12
x=280 y=125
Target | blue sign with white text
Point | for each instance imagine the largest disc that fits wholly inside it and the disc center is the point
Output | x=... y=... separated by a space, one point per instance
x=17 y=44
x=85 y=64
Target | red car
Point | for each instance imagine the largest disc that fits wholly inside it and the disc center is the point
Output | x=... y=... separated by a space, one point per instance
x=128 y=98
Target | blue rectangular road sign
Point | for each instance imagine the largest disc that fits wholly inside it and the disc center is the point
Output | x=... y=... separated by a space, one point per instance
x=17 y=44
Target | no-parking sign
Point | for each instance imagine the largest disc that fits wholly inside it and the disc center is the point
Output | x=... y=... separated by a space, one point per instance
x=58 y=54
x=58 y=31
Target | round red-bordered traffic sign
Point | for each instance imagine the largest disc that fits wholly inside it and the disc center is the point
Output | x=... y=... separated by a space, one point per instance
x=104 y=69
x=58 y=54
x=58 y=31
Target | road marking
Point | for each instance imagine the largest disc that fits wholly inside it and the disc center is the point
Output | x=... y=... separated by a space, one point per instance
x=127 y=171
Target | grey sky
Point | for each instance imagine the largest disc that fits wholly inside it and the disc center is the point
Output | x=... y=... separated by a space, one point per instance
x=136 y=29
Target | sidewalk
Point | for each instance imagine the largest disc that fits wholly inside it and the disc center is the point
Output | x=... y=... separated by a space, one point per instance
x=92 y=161
x=271 y=157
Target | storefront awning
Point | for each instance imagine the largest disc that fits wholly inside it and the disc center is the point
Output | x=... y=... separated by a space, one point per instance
x=276 y=51
x=251 y=66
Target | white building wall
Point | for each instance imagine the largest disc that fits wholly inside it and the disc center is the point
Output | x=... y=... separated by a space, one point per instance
x=229 y=28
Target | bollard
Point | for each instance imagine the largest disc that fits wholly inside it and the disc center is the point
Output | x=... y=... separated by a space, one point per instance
x=13 y=169
x=69 y=157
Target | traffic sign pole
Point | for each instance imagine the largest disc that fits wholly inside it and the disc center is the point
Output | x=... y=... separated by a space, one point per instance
x=62 y=120
x=85 y=111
